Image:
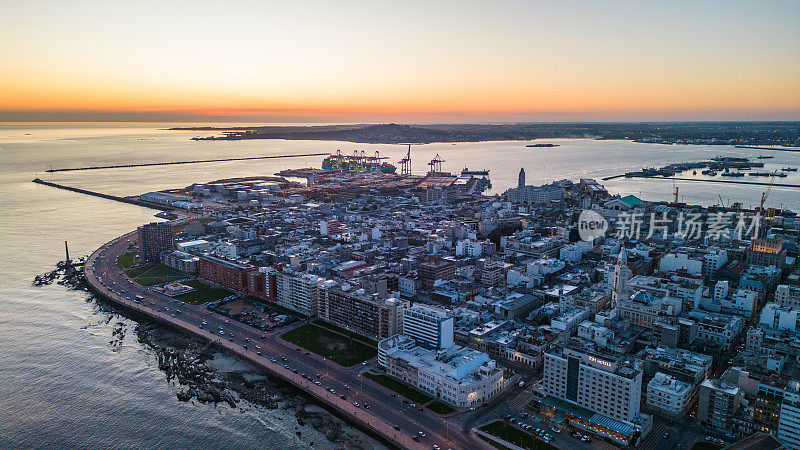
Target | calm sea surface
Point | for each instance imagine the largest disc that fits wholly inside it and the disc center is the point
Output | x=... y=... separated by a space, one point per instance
x=61 y=384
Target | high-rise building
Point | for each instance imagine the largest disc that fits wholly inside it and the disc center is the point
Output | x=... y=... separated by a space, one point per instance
x=521 y=182
x=718 y=403
x=154 y=238
x=789 y=422
x=299 y=291
x=581 y=376
x=368 y=315
x=429 y=327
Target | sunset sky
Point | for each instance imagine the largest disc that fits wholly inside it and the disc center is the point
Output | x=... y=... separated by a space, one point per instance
x=426 y=61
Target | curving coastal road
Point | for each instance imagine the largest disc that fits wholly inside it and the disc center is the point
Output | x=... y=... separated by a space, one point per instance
x=108 y=280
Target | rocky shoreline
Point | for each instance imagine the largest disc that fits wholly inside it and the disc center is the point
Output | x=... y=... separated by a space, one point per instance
x=201 y=373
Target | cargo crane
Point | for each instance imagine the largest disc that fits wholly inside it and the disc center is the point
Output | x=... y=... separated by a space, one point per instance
x=405 y=163
x=436 y=164
x=764 y=197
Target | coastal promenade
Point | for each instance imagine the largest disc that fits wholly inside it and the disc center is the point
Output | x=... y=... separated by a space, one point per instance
x=239 y=339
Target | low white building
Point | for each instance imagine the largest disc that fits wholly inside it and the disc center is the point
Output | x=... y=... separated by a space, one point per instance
x=459 y=376
x=569 y=320
x=669 y=396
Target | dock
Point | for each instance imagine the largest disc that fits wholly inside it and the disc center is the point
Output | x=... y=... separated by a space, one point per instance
x=197 y=161
x=131 y=201
x=755 y=183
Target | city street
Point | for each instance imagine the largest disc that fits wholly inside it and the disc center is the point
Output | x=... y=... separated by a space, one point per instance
x=384 y=412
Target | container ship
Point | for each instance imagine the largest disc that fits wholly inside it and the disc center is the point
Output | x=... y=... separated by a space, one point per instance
x=477 y=173
x=358 y=162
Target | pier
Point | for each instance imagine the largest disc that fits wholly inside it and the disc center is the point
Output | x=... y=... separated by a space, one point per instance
x=131 y=201
x=755 y=183
x=197 y=161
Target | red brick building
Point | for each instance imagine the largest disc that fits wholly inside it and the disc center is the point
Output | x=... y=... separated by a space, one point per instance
x=230 y=274
x=435 y=269
x=154 y=238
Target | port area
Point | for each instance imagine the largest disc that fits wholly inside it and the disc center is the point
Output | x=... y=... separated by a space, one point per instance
x=279 y=358
x=323 y=184
x=729 y=167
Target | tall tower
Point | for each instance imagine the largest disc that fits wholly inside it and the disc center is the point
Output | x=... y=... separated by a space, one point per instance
x=521 y=177
x=621 y=276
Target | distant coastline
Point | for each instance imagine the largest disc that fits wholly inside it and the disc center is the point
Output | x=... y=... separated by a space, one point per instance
x=773 y=134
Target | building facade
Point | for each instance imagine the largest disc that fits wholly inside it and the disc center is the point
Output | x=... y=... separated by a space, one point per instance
x=154 y=238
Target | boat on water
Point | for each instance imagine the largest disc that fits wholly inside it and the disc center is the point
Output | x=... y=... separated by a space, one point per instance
x=789 y=169
x=768 y=174
x=709 y=172
x=764 y=157
x=733 y=174
x=467 y=172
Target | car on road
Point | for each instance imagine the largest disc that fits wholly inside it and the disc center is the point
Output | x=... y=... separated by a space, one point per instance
x=397 y=428
x=356 y=404
x=472 y=408
x=421 y=434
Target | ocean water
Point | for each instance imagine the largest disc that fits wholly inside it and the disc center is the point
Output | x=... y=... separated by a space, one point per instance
x=62 y=384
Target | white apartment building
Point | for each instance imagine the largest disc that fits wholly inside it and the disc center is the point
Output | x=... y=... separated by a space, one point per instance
x=299 y=292
x=569 y=320
x=430 y=327
x=713 y=261
x=788 y=296
x=789 y=422
x=773 y=315
x=469 y=248
x=669 y=396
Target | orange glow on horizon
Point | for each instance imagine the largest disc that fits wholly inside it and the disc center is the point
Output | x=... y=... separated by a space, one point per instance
x=503 y=61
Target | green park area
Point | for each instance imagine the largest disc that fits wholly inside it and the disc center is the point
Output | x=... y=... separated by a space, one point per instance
x=128 y=260
x=515 y=436
x=342 y=350
x=202 y=293
x=402 y=389
x=152 y=275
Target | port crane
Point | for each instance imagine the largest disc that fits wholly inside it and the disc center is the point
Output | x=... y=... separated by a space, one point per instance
x=436 y=164
x=405 y=163
x=764 y=197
